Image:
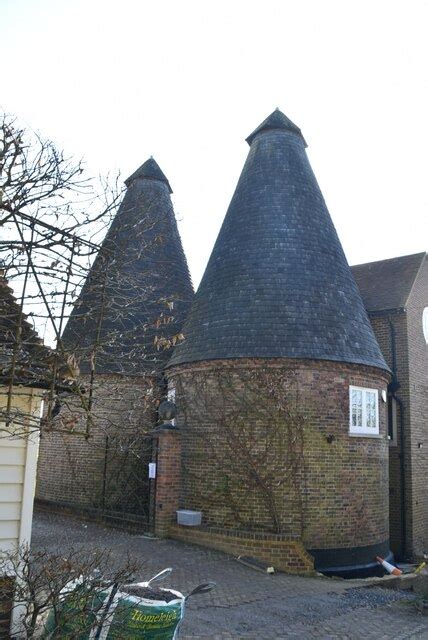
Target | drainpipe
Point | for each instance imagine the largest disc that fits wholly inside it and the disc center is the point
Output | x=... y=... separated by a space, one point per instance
x=393 y=386
x=103 y=498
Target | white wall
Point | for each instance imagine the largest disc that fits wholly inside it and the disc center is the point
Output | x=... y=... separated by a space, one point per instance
x=18 y=462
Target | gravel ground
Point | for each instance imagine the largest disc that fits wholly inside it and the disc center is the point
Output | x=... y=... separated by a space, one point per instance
x=247 y=604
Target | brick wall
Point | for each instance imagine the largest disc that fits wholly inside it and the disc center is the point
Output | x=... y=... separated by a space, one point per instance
x=386 y=326
x=412 y=375
x=168 y=478
x=418 y=437
x=280 y=552
x=71 y=467
x=337 y=495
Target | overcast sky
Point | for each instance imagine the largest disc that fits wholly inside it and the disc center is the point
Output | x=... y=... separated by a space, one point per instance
x=187 y=80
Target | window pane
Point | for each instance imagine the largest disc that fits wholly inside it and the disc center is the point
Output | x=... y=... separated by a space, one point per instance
x=371 y=409
x=357 y=408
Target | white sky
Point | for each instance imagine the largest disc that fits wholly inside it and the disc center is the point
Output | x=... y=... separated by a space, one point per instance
x=187 y=80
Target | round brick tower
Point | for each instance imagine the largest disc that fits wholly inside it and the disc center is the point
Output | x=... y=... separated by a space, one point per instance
x=278 y=316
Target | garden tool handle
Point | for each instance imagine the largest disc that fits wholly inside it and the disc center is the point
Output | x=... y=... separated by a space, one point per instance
x=201 y=588
x=159 y=576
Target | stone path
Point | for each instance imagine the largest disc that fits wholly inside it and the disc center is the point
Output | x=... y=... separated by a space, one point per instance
x=248 y=604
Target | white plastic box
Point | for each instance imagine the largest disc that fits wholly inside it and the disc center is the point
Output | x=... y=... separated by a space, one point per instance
x=189 y=518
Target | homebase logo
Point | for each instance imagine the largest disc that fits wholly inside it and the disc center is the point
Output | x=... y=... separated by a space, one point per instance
x=154 y=618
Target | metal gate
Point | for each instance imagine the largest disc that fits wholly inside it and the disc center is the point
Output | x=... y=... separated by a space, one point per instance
x=128 y=492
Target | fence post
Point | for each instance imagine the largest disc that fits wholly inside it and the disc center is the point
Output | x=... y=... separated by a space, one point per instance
x=168 y=478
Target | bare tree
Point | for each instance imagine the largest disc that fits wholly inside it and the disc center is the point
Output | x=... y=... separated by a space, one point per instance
x=46 y=204
x=53 y=248
x=70 y=587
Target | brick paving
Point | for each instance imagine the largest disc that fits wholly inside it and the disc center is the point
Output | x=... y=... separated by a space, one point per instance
x=248 y=604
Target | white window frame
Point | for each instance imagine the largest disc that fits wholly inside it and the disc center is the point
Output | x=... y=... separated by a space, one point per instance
x=364 y=430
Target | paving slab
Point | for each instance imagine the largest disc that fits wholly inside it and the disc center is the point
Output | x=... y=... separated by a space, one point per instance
x=246 y=603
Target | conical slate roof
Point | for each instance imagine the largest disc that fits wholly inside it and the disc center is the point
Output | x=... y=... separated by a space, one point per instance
x=277 y=283
x=138 y=291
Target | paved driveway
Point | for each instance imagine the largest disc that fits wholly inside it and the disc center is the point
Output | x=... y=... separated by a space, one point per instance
x=246 y=603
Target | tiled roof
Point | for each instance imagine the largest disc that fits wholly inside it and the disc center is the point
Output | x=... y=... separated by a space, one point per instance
x=22 y=353
x=139 y=288
x=386 y=284
x=277 y=283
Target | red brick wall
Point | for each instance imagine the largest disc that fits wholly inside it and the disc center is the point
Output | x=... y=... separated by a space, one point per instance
x=276 y=551
x=418 y=385
x=382 y=328
x=168 y=479
x=70 y=467
x=412 y=375
x=340 y=498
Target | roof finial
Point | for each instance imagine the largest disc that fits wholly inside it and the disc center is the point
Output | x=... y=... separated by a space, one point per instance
x=276 y=120
x=149 y=170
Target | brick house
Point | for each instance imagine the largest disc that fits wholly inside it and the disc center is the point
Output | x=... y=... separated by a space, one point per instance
x=395 y=294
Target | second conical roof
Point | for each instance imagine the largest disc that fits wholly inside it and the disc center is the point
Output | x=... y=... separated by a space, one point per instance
x=138 y=292
x=277 y=283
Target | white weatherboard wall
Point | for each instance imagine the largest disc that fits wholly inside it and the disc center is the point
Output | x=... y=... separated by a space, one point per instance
x=19 y=446
x=18 y=462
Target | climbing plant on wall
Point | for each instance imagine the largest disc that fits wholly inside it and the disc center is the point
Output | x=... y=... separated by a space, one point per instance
x=245 y=434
